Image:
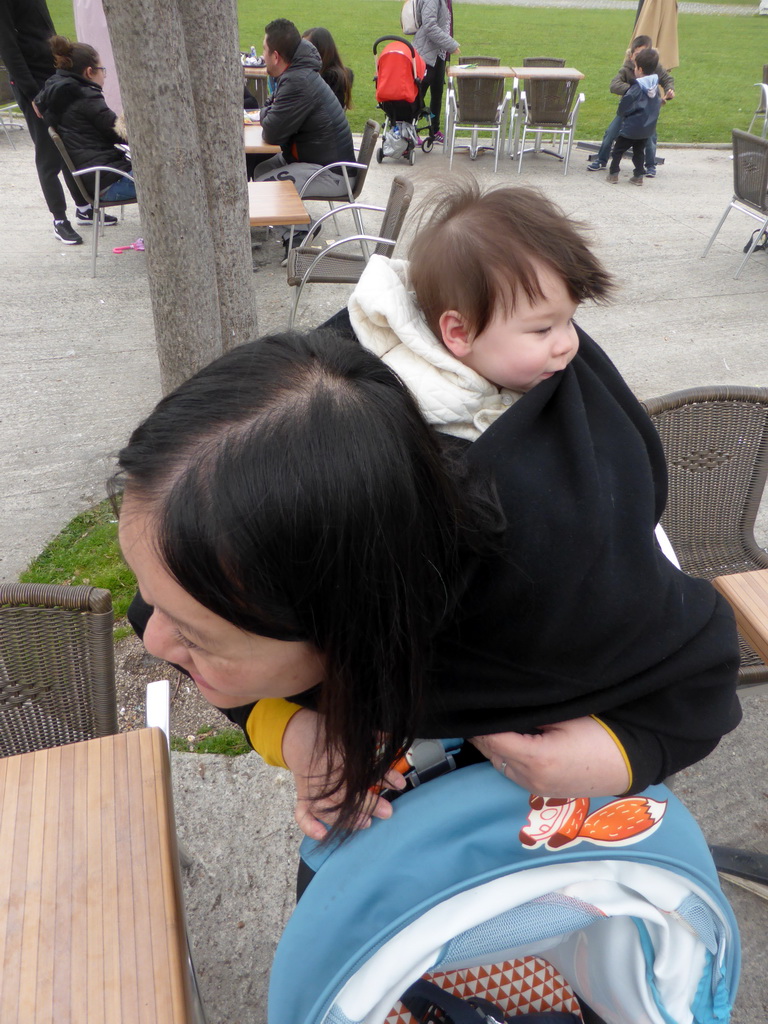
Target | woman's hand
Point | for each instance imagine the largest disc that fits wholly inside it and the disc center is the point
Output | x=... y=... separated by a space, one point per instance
x=567 y=759
x=304 y=753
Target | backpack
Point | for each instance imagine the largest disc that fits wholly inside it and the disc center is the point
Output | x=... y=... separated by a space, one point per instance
x=410 y=17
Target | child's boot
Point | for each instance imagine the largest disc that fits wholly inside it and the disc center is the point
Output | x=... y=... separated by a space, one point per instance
x=612 y=178
x=635 y=180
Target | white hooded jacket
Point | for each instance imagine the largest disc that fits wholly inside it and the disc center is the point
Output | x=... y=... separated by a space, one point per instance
x=387 y=321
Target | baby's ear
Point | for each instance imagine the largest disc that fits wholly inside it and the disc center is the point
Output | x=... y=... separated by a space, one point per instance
x=455 y=334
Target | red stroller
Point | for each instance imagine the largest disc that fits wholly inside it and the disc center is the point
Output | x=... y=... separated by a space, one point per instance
x=400 y=90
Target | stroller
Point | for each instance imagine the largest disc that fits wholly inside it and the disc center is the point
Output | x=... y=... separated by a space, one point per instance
x=400 y=90
x=604 y=909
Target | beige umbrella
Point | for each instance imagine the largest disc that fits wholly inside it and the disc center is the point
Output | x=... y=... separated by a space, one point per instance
x=658 y=19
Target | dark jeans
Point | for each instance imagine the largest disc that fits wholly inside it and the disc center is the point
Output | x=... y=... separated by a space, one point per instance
x=621 y=146
x=434 y=80
x=48 y=162
x=612 y=133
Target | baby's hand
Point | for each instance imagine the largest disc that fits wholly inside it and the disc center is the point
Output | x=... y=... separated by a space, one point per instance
x=303 y=746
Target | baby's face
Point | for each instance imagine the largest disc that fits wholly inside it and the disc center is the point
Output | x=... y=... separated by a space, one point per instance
x=521 y=349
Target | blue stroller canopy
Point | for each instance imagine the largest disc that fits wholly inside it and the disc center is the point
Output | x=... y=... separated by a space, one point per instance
x=619 y=895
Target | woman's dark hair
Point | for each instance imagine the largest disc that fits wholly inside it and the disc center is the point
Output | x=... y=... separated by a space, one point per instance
x=298 y=493
x=333 y=71
x=69 y=56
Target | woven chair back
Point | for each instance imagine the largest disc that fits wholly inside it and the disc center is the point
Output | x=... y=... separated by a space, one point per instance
x=550 y=102
x=57 y=673
x=543 y=62
x=482 y=62
x=716 y=445
x=400 y=196
x=59 y=144
x=479 y=99
x=750 y=170
x=365 y=154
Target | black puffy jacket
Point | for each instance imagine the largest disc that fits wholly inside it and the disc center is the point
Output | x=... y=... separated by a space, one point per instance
x=304 y=117
x=76 y=108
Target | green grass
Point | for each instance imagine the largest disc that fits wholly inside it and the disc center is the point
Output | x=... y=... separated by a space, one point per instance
x=231 y=742
x=722 y=56
x=86 y=552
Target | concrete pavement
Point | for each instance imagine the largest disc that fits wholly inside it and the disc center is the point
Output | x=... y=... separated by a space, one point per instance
x=79 y=370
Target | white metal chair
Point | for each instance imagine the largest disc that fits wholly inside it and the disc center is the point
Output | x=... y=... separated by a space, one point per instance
x=93 y=198
x=477 y=106
x=750 y=185
x=762 y=106
x=549 y=107
x=309 y=264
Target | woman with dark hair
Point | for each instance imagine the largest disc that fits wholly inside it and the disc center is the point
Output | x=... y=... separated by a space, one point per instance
x=334 y=72
x=305 y=536
x=72 y=102
x=298 y=531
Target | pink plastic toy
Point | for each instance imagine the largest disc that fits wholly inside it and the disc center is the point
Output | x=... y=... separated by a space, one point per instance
x=138 y=244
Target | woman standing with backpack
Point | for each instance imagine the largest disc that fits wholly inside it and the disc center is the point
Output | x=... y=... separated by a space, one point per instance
x=434 y=41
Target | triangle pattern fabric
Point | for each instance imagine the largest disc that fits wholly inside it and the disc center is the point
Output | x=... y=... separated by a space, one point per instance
x=529 y=985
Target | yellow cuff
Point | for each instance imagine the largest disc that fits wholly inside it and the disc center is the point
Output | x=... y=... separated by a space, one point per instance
x=618 y=743
x=266 y=725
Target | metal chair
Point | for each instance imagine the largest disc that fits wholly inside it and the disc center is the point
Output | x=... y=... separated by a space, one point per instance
x=7 y=104
x=762 y=106
x=310 y=264
x=92 y=198
x=476 y=106
x=549 y=108
x=482 y=62
x=57 y=671
x=543 y=62
x=716 y=444
x=750 y=185
x=353 y=186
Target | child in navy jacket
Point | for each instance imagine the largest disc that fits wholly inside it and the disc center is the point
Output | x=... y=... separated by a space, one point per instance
x=639 y=111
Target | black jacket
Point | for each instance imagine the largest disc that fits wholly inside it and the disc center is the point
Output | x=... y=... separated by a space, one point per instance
x=581 y=614
x=25 y=30
x=639 y=108
x=304 y=117
x=76 y=108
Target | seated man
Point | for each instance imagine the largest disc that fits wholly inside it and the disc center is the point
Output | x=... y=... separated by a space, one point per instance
x=302 y=116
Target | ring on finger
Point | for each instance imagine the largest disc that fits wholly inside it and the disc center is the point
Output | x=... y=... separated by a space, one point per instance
x=503 y=767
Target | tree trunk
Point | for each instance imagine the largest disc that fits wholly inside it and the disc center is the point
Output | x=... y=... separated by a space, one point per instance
x=181 y=84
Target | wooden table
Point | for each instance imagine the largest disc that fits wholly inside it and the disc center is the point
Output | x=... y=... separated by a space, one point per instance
x=259 y=77
x=91 y=912
x=481 y=71
x=254 y=141
x=275 y=202
x=747 y=592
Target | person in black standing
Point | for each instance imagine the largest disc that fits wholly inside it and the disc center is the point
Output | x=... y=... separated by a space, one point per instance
x=25 y=32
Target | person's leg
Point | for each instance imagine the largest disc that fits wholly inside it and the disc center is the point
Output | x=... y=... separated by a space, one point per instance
x=120 y=189
x=268 y=168
x=638 y=161
x=650 y=156
x=611 y=133
x=47 y=159
x=436 y=86
x=620 y=147
x=325 y=186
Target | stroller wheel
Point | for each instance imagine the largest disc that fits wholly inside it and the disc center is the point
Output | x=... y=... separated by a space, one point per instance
x=412 y=156
x=379 y=155
x=427 y=145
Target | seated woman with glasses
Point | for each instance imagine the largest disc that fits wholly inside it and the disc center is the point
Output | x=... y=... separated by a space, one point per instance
x=72 y=102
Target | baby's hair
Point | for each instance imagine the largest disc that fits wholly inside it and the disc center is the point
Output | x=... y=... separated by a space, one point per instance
x=475 y=251
x=647 y=60
x=71 y=56
x=640 y=43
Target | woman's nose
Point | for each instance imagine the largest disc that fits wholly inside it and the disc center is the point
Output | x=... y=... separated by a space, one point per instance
x=159 y=640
